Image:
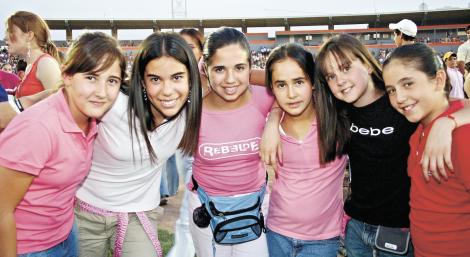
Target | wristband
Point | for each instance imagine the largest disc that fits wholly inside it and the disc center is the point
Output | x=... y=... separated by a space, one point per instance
x=12 y=102
x=450 y=116
x=18 y=104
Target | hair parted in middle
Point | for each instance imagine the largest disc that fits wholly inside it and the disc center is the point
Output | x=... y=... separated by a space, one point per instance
x=157 y=45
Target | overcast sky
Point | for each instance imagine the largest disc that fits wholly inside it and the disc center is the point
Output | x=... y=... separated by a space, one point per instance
x=162 y=9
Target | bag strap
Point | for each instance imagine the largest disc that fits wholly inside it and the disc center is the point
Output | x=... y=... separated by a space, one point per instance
x=195 y=184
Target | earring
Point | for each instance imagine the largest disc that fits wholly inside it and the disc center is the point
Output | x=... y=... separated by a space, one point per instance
x=145 y=94
x=189 y=97
x=28 y=55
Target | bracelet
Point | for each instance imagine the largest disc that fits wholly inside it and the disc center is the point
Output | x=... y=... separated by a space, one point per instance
x=18 y=104
x=450 y=116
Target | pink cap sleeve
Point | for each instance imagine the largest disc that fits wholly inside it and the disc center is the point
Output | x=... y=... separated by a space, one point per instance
x=25 y=146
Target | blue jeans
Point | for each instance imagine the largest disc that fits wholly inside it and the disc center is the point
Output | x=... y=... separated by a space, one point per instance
x=68 y=248
x=283 y=246
x=360 y=241
x=184 y=246
x=3 y=94
x=170 y=179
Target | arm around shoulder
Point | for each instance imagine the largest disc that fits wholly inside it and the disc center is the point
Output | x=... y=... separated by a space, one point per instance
x=9 y=109
x=270 y=145
x=462 y=152
x=7 y=114
x=437 y=153
x=462 y=116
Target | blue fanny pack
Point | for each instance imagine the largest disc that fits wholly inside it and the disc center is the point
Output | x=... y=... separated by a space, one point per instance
x=233 y=220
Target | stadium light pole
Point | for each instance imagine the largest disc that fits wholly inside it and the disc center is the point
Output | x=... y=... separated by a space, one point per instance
x=178 y=9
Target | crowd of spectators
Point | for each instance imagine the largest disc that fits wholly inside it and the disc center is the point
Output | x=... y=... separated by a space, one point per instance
x=5 y=58
x=445 y=39
x=259 y=58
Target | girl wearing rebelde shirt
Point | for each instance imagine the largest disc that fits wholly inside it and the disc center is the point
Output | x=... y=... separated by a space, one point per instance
x=227 y=161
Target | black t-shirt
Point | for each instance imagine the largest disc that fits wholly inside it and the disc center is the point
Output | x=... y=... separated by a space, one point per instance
x=378 y=153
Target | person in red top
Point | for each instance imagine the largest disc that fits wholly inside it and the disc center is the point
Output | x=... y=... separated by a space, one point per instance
x=29 y=38
x=440 y=211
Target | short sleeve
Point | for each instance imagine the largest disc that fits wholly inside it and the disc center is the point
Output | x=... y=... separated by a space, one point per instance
x=25 y=145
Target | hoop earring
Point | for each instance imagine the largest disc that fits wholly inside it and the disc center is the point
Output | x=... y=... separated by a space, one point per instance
x=145 y=94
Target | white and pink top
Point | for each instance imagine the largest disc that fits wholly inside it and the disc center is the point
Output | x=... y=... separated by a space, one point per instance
x=306 y=200
x=227 y=160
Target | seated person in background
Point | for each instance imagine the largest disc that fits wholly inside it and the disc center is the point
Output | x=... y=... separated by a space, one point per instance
x=7 y=67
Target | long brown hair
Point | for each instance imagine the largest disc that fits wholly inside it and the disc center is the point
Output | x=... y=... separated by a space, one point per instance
x=306 y=62
x=334 y=131
x=155 y=46
x=28 y=21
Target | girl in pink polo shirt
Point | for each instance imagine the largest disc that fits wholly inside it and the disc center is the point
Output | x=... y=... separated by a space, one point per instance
x=306 y=206
x=45 y=152
x=226 y=162
x=415 y=80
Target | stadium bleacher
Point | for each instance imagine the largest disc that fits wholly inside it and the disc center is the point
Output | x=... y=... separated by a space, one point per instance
x=443 y=30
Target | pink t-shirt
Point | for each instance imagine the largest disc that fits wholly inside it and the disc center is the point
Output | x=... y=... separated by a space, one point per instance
x=46 y=142
x=227 y=160
x=306 y=200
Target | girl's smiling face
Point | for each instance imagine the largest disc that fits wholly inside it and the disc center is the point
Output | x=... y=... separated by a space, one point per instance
x=413 y=93
x=349 y=80
x=229 y=74
x=167 y=84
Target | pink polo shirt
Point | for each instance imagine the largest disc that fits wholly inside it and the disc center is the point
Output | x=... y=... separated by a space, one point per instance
x=45 y=141
x=307 y=198
x=227 y=159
